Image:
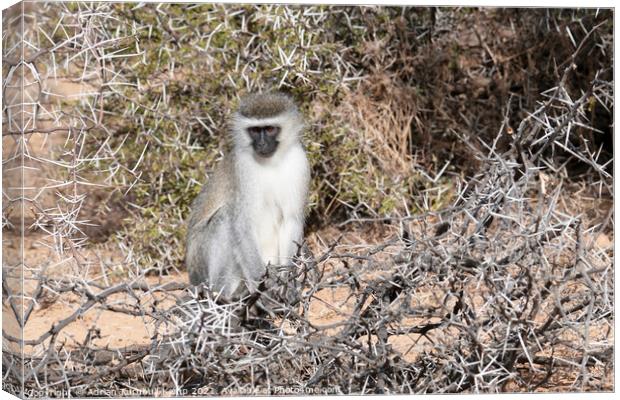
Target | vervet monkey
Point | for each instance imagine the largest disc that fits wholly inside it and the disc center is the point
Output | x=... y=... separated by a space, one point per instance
x=251 y=211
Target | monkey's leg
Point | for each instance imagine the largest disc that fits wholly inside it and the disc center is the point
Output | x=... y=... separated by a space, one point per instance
x=225 y=273
x=210 y=255
x=245 y=252
x=195 y=259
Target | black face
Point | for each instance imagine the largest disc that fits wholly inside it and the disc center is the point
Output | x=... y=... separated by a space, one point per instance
x=264 y=139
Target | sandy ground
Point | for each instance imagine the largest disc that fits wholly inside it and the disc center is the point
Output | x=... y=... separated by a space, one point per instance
x=118 y=330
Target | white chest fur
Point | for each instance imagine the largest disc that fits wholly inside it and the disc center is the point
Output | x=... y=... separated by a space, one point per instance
x=276 y=203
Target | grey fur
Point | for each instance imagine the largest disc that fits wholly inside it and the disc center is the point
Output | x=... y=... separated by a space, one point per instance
x=265 y=105
x=221 y=247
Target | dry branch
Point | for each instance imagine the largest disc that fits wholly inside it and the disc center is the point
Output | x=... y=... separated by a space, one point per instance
x=501 y=288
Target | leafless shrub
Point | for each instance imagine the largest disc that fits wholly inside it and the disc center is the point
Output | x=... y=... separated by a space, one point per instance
x=66 y=73
x=507 y=288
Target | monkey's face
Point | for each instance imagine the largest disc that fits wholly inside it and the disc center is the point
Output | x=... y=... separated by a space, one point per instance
x=264 y=139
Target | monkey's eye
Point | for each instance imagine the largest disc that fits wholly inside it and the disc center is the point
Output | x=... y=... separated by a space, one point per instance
x=272 y=130
x=254 y=132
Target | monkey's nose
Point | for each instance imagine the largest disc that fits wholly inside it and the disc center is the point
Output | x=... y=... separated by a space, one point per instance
x=265 y=149
x=262 y=145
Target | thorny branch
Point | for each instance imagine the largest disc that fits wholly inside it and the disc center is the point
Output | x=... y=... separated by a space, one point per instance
x=505 y=288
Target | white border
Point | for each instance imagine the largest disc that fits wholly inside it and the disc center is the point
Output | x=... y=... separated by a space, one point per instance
x=454 y=3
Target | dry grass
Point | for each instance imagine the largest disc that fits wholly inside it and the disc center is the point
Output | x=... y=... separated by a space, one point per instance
x=460 y=231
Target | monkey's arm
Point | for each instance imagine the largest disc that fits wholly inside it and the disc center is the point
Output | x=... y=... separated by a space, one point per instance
x=290 y=235
x=291 y=231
